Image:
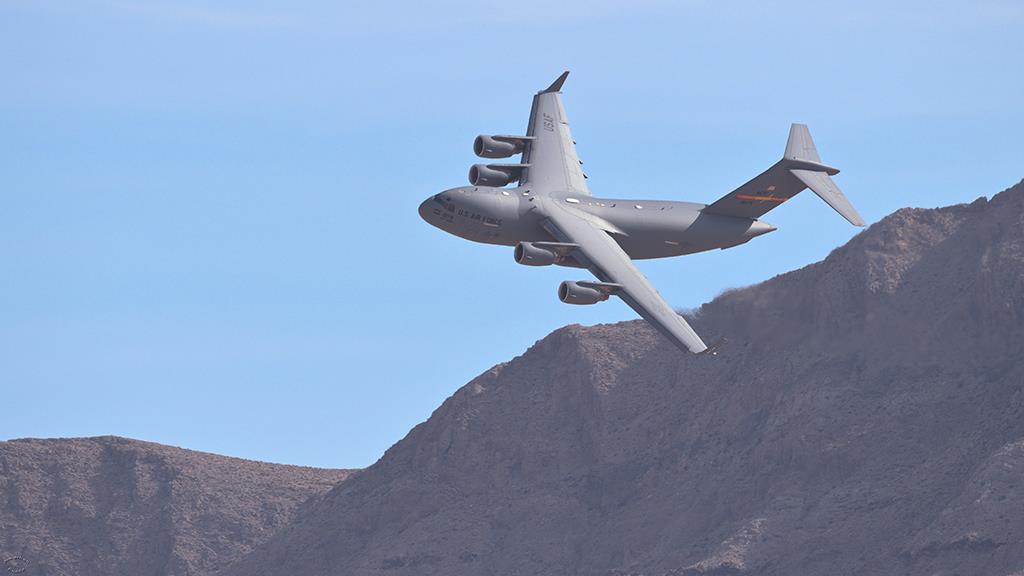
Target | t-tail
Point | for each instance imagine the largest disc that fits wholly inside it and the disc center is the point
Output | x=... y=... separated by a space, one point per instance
x=802 y=161
x=800 y=168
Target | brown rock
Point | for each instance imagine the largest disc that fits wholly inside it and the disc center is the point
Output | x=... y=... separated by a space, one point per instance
x=112 y=506
x=866 y=417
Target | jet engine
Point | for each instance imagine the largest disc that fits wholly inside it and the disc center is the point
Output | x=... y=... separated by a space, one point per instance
x=528 y=254
x=498 y=146
x=582 y=293
x=494 y=174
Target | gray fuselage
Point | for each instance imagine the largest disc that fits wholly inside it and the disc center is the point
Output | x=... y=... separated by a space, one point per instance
x=643 y=228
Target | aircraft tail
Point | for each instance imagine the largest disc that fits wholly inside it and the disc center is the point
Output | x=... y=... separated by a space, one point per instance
x=799 y=168
x=802 y=161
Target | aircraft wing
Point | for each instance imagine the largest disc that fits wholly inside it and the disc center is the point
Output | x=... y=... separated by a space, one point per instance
x=603 y=256
x=550 y=156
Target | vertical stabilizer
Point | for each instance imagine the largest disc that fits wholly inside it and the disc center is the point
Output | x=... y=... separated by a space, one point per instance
x=800 y=146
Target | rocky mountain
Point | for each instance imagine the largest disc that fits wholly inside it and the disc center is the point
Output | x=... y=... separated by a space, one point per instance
x=111 y=506
x=866 y=417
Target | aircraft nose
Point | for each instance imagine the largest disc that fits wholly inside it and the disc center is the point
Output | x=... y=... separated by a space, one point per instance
x=425 y=210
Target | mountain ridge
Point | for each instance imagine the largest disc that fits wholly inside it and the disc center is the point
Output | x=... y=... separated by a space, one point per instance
x=111 y=505
x=855 y=402
x=865 y=417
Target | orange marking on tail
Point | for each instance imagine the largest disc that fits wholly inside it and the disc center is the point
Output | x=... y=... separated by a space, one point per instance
x=762 y=198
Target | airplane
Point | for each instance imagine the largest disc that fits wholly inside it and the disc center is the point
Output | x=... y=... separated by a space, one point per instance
x=551 y=218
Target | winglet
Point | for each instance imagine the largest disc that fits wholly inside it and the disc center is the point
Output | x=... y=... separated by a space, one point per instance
x=556 y=86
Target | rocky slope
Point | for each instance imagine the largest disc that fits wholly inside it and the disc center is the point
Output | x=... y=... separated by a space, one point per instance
x=866 y=417
x=110 y=506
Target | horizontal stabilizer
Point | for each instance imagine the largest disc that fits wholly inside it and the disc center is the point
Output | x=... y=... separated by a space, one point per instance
x=821 y=184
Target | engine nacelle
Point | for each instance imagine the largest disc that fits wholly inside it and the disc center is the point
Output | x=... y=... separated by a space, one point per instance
x=481 y=175
x=495 y=175
x=498 y=146
x=529 y=255
x=572 y=293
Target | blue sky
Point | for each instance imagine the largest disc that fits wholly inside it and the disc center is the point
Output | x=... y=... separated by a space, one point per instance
x=208 y=231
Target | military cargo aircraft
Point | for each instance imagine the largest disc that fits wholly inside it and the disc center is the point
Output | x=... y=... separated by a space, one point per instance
x=551 y=218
